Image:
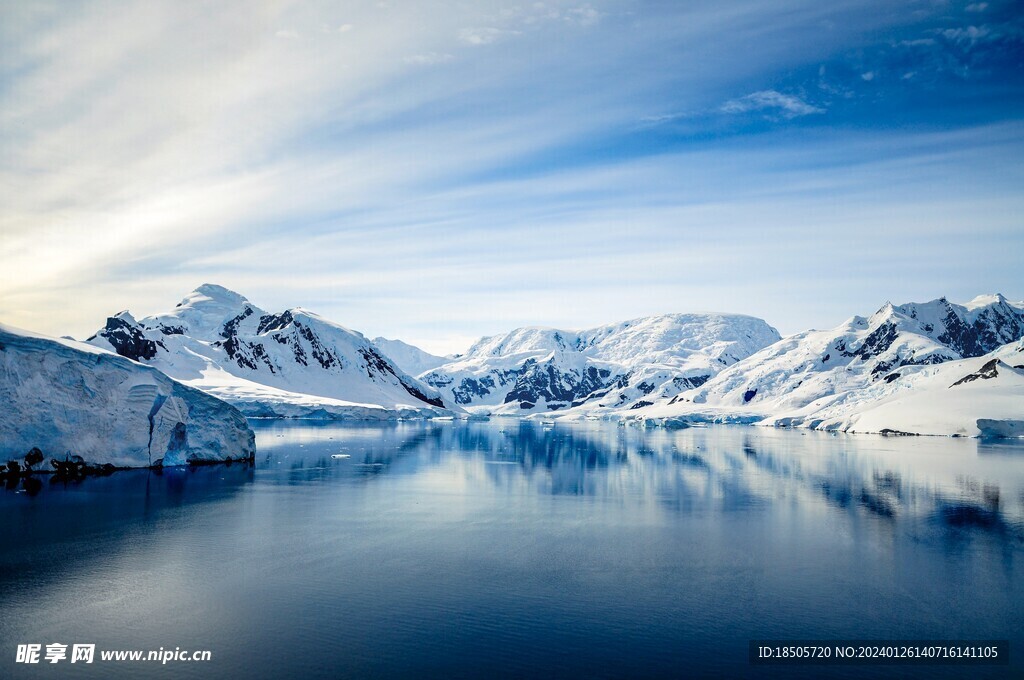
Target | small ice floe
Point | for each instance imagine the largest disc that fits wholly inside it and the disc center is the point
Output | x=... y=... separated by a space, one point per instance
x=339 y=456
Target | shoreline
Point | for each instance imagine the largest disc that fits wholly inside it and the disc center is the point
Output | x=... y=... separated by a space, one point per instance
x=30 y=479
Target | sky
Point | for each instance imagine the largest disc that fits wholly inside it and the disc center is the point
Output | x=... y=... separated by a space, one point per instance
x=437 y=171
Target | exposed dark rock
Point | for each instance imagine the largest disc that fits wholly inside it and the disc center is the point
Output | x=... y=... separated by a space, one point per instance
x=987 y=372
x=472 y=388
x=231 y=343
x=993 y=327
x=547 y=382
x=411 y=389
x=72 y=467
x=748 y=395
x=877 y=341
x=128 y=340
x=273 y=322
x=896 y=433
x=231 y=326
x=377 y=364
x=325 y=357
x=33 y=457
x=691 y=382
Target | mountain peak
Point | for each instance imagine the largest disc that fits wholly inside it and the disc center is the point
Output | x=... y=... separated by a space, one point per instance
x=126 y=316
x=203 y=312
x=986 y=300
x=885 y=311
x=217 y=294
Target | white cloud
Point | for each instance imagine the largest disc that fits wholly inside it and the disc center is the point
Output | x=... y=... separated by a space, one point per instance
x=485 y=35
x=919 y=42
x=786 y=105
x=584 y=15
x=429 y=58
x=977 y=7
x=660 y=119
x=968 y=35
x=339 y=28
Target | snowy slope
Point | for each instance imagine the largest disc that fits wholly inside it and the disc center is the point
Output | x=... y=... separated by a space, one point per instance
x=291 y=364
x=623 y=365
x=971 y=397
x=63 y=396
x=832 y=379
x=409 y=358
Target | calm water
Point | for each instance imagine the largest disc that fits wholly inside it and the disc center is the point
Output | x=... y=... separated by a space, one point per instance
x=508 y=549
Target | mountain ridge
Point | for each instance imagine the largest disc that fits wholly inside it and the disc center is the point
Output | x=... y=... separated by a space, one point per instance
x=292 y=363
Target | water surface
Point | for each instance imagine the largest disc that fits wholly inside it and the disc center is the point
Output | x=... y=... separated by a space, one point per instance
x=513 y=549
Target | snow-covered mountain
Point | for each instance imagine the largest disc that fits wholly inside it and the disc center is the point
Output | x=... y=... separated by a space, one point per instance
x=290 y=364
x=831 y=379
x=624 y=365
x=983 y=396
x=69 y=397
x=409 y=358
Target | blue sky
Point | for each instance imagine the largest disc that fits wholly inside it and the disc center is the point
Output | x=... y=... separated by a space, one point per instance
x=438 y=171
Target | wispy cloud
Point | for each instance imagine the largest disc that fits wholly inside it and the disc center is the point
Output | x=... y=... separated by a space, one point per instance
x=148 y=147
x=484 y=35
x=967 y=35
x=772 y=102
x=429 y=58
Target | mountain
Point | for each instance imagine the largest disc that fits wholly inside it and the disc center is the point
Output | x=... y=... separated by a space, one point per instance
x=981 y=396
x=69 y=397
x=624 y=365
x=829 y=379
x=290 y=364
x=409 y=358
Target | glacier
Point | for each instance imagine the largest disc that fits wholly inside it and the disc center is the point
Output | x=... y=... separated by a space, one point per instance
x=73 y=399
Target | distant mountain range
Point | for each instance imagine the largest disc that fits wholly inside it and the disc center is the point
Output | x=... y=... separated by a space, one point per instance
x=917 y=368
x=622 y=366
x=683 y=368
x=833 y=379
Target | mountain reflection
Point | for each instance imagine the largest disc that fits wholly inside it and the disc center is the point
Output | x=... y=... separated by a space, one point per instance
x=953 y=484
x=56 y=509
